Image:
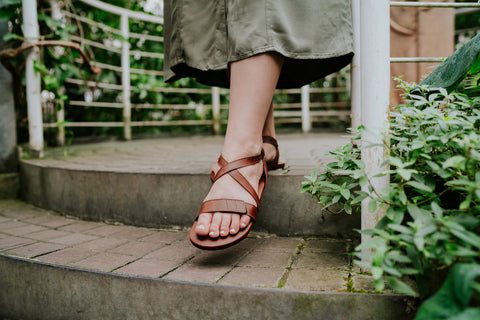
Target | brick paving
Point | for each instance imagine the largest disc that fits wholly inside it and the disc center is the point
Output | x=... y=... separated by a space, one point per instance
x=261 y=260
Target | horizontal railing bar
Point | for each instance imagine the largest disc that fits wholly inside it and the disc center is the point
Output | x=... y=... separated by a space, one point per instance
x=416 y=59
x=91 y=22
x=332 y=89
x=120 y=11
x=435 y=4
x=311 y=90
x=119 y=69
x=145 y=36
x=181 y=90
x=133 y=123
x=460 y=31
x=118 y=105
x=460 y=12
x=172 y=123
x=146 y=54
x=110 y=29
x=119 y=51
x=170 y=106
x=102 y=85
x=312 y=113
x=156 y=89
x=95 y=44
x=288 y=91
x=298 y=105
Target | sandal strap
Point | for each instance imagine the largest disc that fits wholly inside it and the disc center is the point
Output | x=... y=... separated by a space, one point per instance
x=231 y=168
x=270 y=140
x=229 y=205
x=227 y=167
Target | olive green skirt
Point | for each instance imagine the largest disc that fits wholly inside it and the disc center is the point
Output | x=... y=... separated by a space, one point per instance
x=203 y=36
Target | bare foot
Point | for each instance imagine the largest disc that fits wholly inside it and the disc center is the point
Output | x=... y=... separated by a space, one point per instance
x=222 y=224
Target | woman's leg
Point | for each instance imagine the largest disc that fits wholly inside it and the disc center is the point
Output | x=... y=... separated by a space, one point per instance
x=269 y=130
x=252 y=84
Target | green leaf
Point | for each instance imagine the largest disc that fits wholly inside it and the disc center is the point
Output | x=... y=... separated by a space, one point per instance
x=419 y=214
x=453 y=297
x=452 y=71
x=420 y=186
x=406 y=173
x=400 y=228
x=372 y=205
x=437 y=209
x=400 y=286
x=345 y=193
x=11 y=36
x=467 y=314
x=419 y=242
x=456 y=162
x=377 y=272
x=11 y=2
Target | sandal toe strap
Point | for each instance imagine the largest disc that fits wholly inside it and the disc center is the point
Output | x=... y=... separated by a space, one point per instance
x=229 y=206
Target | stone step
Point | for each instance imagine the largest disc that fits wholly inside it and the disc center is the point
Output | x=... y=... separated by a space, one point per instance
x=162 y=182
x=56 y=267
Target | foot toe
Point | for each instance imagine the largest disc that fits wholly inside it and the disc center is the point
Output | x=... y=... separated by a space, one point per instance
x=244 y=221
x=235 y=224
x=215 y=225
x=225 y=226
x=203 y=224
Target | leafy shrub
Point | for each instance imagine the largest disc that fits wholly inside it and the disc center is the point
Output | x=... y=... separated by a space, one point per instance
x=432 y=218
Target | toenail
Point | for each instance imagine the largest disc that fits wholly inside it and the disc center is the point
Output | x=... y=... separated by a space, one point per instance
x=201 y=227
x=212 y=233
x=232 y=230
x=223 y=232
x=243 y=225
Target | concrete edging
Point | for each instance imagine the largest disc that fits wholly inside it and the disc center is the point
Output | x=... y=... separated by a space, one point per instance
x=35 y=290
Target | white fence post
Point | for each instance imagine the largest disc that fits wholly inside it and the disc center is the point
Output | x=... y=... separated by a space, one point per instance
x=375 y=79
x=60 y=109
x=33 y=84
x=216 y=109
x=306 y=119
x=127 y=105
x=356 y=81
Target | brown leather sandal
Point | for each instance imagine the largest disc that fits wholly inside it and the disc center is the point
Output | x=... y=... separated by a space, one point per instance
x=231 y=205
x=273 y=164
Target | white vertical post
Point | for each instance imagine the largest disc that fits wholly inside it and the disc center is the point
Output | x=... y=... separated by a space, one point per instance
x=306 y=119
x=127 y=106
x=356 y=81
x=375 y=78
x=216 y=109
x=32 y=78
x=61 y=123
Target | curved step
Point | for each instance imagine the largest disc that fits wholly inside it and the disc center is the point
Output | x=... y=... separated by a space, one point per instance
x=162 y=182
x=62 y=268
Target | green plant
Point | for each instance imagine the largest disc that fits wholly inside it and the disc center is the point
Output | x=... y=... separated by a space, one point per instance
x=432 y=217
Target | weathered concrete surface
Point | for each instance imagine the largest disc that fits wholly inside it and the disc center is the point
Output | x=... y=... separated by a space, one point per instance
x=163 y=182
x=32 y=290
x=8 y=136
x=9 y=185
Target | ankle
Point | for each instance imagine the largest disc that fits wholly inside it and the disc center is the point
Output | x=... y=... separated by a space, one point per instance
x=234 y=150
